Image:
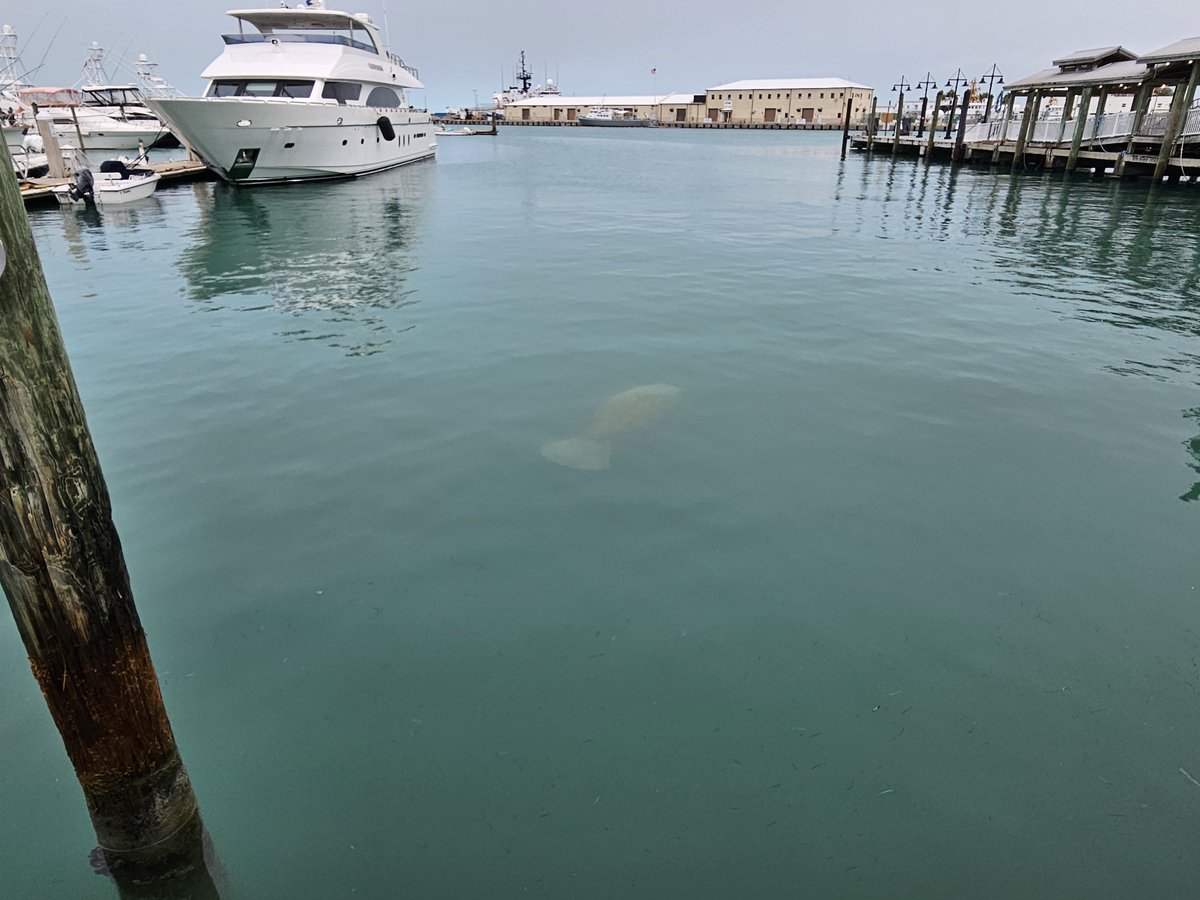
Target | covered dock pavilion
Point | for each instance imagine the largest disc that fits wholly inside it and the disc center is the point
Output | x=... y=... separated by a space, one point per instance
x=1153 y=130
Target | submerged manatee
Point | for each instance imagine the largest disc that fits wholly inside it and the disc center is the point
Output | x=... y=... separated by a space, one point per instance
x=592 y=449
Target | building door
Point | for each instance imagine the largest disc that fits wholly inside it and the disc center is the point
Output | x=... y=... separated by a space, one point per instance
x=768 y=115
x=525 y=114
x=557 y=114
x=681 y=115
x=571 y=114
x=712 y=114
x=807 y=113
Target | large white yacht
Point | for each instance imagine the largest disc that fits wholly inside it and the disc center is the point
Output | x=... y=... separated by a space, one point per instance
x=306 y=93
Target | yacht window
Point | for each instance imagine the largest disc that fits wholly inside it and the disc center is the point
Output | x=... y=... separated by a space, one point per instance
x=341 y=91
x=385 y=97
x=297 y=90
x=245 y=88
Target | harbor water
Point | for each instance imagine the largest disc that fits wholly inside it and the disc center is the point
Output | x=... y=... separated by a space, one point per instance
x=886 y=585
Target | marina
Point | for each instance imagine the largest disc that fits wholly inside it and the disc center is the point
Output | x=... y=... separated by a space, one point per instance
x=674 y=495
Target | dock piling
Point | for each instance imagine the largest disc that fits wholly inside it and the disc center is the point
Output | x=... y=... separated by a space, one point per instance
x=64 y=574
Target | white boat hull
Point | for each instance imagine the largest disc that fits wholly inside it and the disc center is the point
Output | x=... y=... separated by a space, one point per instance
x=107 y=138
x=112 y=190
x=288 y=140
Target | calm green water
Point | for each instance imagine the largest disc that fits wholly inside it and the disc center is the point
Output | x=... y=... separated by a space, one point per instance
x=898 y=600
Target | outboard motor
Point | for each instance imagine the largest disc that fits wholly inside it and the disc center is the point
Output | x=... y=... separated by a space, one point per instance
x=82 y=188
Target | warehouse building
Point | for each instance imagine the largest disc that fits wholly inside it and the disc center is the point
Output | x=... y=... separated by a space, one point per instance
x=558 y=108
x=814 y=101
x=777 y=101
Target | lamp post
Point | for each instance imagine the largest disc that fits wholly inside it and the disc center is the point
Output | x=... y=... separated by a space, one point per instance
x=953 y=83
x=902 y=85
x=992 y=77
x=924 y=85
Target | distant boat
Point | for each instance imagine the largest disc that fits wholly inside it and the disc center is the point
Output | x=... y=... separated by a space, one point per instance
x=465 y=131
x=611 y=117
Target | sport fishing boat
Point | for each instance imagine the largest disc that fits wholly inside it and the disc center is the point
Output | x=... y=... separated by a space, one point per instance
x=307 y=93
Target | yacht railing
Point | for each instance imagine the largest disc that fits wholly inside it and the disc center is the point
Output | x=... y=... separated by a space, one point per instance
x=284 y=37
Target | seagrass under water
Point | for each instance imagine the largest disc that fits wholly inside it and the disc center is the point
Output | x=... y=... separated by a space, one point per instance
x=897 y=598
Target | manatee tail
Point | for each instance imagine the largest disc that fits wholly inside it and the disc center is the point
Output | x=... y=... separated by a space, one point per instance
x=578 y=453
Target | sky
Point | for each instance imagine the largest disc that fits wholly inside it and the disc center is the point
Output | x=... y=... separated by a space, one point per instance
x=462 y=48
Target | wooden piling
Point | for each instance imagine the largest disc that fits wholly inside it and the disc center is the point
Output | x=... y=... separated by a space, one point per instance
x=933 y=127
x=1180 y=104
x=54 y=157
x=871 y=125
x=1140 y=104
x=961 y=135
x=1008 y=111
x=1027 y=119
x=64 y=574
x=898 y=122
x=1085 y=104
x=1100 y=104
x=846 y=126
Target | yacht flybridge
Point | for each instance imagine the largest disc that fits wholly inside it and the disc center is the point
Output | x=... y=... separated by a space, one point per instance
x=301 y=94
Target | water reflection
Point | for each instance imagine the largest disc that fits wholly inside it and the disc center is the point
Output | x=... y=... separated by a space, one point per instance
x=1098 y=250
x=334 y=255
x=1193 y=448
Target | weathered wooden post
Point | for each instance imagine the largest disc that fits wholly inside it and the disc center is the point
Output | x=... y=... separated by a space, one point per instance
x=1180 y=104
x=1008 y=111
x=1141 y=104
x=1100 y=104
x=933 y=126
x=63 y=571
x=871 y=125
x=1028 y=121
x=846 y=125
x=1081 y=123
x=899 y=122
x=961 y=135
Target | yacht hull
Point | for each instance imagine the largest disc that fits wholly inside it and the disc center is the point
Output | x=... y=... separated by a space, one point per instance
x=258 y=141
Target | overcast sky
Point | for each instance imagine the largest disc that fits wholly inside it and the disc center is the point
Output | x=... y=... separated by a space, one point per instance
x=610 y=47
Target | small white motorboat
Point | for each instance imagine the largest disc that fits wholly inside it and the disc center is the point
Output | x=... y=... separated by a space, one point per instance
x=113 y=185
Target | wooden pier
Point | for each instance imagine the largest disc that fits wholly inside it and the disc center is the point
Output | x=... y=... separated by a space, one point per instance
x=36 y=191
x=1141 y=141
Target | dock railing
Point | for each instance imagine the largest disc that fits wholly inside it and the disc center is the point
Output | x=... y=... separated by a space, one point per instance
x=1096 y=130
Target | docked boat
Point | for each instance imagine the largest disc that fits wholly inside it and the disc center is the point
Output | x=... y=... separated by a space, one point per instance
x=113 y=185
x=72 y=121
x=466 y=131
x=302 y=94
x=612 y=117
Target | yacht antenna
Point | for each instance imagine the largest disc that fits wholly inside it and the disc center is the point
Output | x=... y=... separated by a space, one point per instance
x=387 y=32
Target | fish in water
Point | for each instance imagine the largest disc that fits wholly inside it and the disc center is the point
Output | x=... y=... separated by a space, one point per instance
x=592 y=448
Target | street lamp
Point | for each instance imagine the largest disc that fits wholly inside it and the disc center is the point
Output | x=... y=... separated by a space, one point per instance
x=900 y=86
x=924 y=85
x=993 y=76
x=953 y=83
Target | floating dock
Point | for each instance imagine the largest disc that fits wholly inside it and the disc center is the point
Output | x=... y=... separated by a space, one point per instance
x=36 y=191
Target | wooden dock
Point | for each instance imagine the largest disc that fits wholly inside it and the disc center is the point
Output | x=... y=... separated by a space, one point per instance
x=176 y=171
x=1032 y=157
x=737 y=126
